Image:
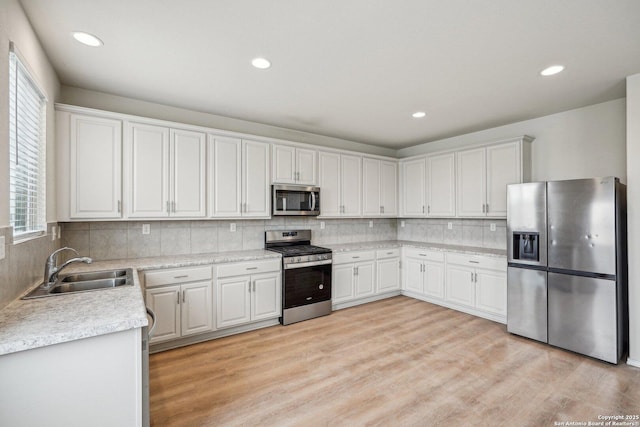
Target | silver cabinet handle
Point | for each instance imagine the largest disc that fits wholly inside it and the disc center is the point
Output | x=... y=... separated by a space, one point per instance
x=181 y=276
x=476 y=277
x=178 y=298
x=252 y=268
x=422 y=208
x=389 y=253
x=119 y=206
x=355 y=271
x=474 y=262
x=422 y=254
x=428 y=209
x=249 y=286
x=254 y=286
x=487 y=207
x=355 y=257
x=483 y=208
x=184 y=295
x=472 y=276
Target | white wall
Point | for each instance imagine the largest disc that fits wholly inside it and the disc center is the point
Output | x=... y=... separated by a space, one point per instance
x=108 y=102
x=633 y=213
x=581 y=143
x=14 y=26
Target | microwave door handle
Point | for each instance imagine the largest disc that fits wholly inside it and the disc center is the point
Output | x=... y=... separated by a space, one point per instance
x=313 y=201
x=284 y=204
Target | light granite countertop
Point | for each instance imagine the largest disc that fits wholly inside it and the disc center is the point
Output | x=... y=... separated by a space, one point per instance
x=29 y=324
x=384 y=244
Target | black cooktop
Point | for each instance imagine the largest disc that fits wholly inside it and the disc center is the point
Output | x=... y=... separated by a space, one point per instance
x=298 y=250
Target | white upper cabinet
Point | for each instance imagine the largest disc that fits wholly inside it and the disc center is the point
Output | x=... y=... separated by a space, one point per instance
x=441 y=185
x=147 y=165
x=95 y=167
x=484 y=173
x=340 y=184
x=238 y=178
x=165 y=172
x=379 y=187
x=413 y=179
x=292 y=165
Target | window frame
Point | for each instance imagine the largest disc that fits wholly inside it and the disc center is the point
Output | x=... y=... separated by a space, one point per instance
x=35 y=216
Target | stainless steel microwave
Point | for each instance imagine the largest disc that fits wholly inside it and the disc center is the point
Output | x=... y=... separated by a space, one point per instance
x=295 y=200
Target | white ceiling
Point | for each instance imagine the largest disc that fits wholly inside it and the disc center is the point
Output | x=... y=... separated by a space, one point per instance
x=352 y=69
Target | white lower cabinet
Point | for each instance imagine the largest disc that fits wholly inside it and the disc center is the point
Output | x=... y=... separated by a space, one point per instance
x=181 y=300
x=424 y=272
x=364 y=276
x=248 y=292
x=478 y=283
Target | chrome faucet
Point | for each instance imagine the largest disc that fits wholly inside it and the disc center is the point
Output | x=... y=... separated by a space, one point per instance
x=51 y=269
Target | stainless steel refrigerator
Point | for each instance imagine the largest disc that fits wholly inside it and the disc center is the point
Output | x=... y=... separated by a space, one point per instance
x=567 y=273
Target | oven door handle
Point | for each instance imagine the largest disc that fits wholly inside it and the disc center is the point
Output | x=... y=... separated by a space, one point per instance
x=307 y=264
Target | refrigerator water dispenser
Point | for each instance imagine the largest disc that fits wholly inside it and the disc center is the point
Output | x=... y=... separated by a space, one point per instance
x=526 y=246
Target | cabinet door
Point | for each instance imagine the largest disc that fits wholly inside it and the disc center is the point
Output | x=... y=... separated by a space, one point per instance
x=283 y=164
x=371 y=191
x=188 y=174
x=491 y=289
x=165 y=303
x=389 y=188
x=414 y=277
x=342 y=283
x=365 y=279
x=413 y=187
x=233 y=302
x=255 y=179
x=266 y=296
x=503 y=168
x=388 y=276
x=147 y=156
x=351 y=172
x=434 y=279
x=461 y=285
x=329 y=181
x=225 y=176
x=197 y=308
x=441 y=185
x=471 y=183
x=306 y=166
x=95 y=167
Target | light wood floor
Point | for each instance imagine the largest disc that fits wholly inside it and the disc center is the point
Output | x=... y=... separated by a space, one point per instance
x=396 y=362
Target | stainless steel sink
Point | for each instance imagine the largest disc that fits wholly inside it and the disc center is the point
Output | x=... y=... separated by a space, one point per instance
x=94 y=275
x=84 y=282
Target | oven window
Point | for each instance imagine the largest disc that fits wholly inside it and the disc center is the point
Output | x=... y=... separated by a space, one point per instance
x=295 y=201
x=302 y=285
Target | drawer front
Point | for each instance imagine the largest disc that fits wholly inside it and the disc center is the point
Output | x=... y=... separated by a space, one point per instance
x=347 y=257
x=243 y=268
x=176 y=275
x=388 y=253
x=425 y=254
x=491 y=263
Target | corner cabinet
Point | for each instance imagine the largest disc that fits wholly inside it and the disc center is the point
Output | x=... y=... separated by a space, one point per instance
x=379 y=188
x=238 y=177
x=428 y=186
x=165 y=172
x=484 y=173
x=291 y=165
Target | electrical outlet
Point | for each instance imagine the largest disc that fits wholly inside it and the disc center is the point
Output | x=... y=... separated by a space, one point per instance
x=321 y=225
x=370 y=224
x=53 y=233
x=1 y=247
x=232 y=227
x=146 y=228
x=492 y=227
x=402 y=224
x=450 y=225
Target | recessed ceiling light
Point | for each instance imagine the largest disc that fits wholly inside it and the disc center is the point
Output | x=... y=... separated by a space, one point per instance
x=261 y=63
x=419 y=114
x=87 y=39
x=550 y=71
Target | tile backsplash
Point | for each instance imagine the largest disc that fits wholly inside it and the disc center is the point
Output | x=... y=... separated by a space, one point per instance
x=122 y=240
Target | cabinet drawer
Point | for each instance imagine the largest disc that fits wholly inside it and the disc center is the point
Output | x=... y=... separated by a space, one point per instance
x=228 y=270
x=346 y=257
x=491 y=263
x=425 y=254
x=176 y=275
x=388 y=253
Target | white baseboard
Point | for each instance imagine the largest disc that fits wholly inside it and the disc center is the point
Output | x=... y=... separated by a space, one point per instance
x=633 y=362
x=352 y=303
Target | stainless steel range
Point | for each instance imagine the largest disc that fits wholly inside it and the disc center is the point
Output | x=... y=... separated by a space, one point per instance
x=306 y=282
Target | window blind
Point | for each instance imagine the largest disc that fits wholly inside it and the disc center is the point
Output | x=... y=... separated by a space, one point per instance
x=27 y=152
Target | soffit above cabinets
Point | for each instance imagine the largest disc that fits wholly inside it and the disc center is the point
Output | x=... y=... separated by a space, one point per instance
x=352 y=69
